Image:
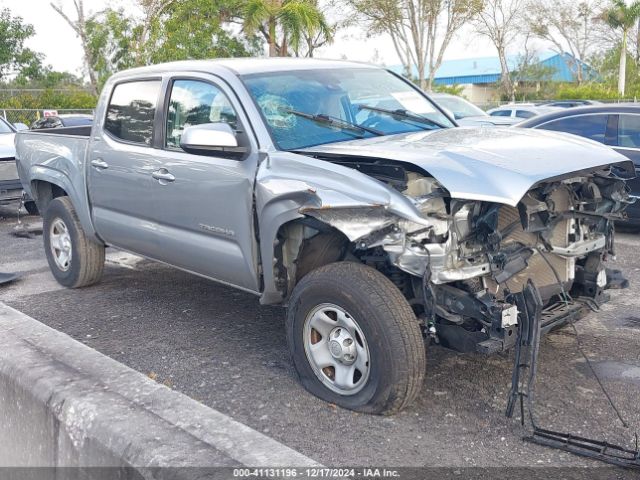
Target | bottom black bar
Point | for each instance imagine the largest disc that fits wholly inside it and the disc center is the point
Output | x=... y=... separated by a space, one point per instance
x=586 y=447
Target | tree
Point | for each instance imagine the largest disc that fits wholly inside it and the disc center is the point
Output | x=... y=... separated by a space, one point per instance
x=314 y=39
x=501 y=22
x=197 y=29
x=528 y=70
x=189 y=29
x=79 y=26
x=622 y=17
x=570 y=26
x=14 y=56
x=421 y=30
x=151 y=11
x=285 y=23
x=112 y=40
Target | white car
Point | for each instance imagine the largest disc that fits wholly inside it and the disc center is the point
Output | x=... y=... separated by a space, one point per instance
x=519 y=111
x=467 y=114
x=10 y=186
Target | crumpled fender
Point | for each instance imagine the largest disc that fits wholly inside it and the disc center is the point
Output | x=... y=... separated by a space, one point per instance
x=291 y=186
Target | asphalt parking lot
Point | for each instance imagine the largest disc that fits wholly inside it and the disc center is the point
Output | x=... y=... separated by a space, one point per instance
x=220 y=347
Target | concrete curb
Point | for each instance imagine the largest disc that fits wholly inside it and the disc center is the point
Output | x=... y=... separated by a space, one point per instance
x=64 y=404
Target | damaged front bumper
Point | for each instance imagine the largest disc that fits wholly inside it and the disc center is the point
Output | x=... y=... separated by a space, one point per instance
x=501 y=319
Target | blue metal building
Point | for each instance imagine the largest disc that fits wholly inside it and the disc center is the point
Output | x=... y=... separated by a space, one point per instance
x=485 y=70
x=480 y=75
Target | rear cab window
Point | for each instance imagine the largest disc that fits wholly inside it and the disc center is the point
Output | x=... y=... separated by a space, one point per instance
x=131 y=111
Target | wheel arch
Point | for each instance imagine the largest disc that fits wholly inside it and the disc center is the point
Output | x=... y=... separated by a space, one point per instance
x=46 y=184
x=290 y=248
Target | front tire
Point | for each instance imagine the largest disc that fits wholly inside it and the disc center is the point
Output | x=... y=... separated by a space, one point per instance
x=355 y=340
x=74 y=259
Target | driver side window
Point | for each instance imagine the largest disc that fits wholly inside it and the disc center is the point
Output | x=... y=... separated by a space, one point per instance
x=194 y=102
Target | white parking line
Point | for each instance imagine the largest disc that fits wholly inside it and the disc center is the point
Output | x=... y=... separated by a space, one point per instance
x=35 y=281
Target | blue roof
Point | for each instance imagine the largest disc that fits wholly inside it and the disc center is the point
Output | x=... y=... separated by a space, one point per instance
x=487 y=69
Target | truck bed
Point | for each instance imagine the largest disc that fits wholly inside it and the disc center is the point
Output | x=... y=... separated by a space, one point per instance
x=57 y=151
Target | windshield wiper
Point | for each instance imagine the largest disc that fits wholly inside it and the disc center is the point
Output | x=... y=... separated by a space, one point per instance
x=400 y=114
x=329 y=121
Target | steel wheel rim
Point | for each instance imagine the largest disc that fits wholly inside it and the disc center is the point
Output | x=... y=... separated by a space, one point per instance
x=336 y=349
x=60 y=243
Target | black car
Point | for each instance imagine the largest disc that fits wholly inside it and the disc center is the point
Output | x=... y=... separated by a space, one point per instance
x=569 y=103
x=615 y=125
x=59 y=121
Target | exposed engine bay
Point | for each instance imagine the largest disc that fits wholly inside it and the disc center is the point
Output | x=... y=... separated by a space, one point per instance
x=462 y=263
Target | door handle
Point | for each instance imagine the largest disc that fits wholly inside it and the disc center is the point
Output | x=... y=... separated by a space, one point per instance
x=163 y=176
x=99 y=164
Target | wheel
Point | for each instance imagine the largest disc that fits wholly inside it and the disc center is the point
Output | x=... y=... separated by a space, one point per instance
x=355 y=340
x=31 y=208
x=75 y=260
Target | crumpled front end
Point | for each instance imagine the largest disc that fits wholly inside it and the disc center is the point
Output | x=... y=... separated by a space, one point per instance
x=462 y=263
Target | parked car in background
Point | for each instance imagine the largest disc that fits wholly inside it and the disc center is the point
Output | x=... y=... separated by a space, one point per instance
x=519 y=111
x=64 y=120
x=616 y=125
x=466 y=113
x=569 y=103
x=10 y=186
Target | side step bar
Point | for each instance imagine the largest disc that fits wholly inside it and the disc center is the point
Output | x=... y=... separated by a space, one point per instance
x=596 y=449
x=531 y=325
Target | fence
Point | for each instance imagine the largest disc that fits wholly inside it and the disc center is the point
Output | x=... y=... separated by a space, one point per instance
x=28 y=116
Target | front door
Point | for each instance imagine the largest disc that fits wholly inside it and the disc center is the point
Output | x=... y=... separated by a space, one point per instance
x=204 y=203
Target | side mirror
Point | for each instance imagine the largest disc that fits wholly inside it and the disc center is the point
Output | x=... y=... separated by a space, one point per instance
x=209 y=138
x=20 y=126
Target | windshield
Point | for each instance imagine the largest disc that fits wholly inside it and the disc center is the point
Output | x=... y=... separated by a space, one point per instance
x=304 y=108
x=4 y=127
x=459 y=107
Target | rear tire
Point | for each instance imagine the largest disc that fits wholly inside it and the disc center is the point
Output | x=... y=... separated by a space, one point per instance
x=355 y=340
x=75 y=260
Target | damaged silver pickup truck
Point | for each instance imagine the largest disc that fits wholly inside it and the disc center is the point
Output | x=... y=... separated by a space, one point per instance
x=339 y=190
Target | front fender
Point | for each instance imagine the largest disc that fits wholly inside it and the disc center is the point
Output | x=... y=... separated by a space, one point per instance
x=291 y=186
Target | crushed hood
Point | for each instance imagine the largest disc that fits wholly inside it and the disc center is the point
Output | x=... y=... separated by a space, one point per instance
x=495 y=164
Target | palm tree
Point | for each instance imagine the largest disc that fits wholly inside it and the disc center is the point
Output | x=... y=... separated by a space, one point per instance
x=292 y=20
x=621 y=16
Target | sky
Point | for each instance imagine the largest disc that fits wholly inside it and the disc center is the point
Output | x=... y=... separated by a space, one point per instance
x=55 y=39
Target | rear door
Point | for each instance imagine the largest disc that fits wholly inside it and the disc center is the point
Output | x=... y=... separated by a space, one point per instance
x=121 y=161
x=204 y=212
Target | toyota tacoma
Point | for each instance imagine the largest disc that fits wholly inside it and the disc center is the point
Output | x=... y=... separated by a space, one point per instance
x=343 y=192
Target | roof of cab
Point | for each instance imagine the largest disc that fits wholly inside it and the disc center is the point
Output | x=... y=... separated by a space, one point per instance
x=244 y=66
